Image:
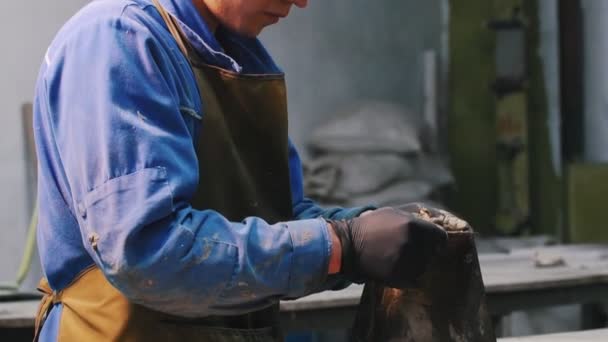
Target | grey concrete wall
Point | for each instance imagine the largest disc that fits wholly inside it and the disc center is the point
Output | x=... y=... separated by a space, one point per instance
x=26 y=29
x=338 y=51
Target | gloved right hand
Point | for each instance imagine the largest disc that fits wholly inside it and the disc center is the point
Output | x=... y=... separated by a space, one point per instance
x=387 y=245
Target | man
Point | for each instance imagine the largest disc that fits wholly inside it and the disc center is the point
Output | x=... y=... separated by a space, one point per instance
x=171 y=204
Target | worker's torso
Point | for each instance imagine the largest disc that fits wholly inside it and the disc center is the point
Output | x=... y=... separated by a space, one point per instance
x=242 y=148
x=61 y=245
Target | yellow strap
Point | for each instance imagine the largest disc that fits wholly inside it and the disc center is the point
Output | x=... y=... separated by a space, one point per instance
x=45 y=305
x=51 y=297
x=172 y=26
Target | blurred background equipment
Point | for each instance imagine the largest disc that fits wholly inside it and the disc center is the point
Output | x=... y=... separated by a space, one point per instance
x=512 y=217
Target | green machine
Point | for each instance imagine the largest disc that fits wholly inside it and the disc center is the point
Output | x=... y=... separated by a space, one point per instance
x=508 y=181
x=587 y=190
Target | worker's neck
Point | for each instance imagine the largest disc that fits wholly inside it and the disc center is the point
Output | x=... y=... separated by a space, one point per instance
x=208 y=17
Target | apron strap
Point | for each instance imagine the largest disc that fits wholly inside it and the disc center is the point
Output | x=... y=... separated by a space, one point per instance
x=48 y=299
x=172 y=26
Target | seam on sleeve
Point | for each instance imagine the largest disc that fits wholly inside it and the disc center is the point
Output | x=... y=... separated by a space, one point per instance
x=191 y=112
x=235 y=266
x=169 y=187
x=328 y=246
x=132 y=4
x=291 y=257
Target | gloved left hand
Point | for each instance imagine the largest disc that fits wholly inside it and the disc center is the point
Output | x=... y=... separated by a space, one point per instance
x=387 y=245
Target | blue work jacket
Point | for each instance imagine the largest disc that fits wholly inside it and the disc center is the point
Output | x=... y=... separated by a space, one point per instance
x=116 y=114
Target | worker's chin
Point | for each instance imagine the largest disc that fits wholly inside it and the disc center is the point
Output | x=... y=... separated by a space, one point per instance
x=251 y=31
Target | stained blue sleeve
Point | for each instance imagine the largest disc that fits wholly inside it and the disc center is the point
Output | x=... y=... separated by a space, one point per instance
x=113 y=94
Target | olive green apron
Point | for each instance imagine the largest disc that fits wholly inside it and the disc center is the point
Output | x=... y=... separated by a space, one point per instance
x=243 y=167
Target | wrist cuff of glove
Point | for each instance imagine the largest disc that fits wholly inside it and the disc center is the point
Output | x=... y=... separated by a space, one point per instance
x=347 y=268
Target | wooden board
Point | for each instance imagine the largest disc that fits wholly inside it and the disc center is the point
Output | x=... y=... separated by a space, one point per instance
x=600 y=335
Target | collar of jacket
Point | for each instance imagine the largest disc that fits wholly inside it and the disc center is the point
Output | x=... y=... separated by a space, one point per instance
x=225 y=49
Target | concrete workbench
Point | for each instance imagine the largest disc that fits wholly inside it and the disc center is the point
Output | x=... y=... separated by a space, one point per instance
x=574 y=274
x=600 y=335
x=579 y=274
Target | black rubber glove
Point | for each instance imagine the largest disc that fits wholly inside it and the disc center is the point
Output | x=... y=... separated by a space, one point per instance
x=387 y=245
